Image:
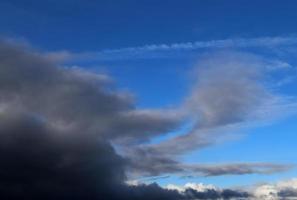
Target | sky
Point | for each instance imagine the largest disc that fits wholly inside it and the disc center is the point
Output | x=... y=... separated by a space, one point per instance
x=174 y=99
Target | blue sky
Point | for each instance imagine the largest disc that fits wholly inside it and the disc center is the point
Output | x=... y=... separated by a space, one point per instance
x=96 y=25
x=152 y=49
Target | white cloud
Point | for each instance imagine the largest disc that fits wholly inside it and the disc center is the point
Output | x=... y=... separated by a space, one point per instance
x=276 y=191
x=236 y=42
x=199 y=187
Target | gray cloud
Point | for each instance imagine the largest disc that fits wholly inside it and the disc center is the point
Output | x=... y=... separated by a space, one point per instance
x=149 y=163
x=287 y=193
x=75 y=99
x=228 y=90
x=215 y=194
x=55 y=129
x=238 y=169
x=231 y=92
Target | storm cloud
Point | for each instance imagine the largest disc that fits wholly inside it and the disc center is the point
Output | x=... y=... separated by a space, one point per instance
x=56 y=126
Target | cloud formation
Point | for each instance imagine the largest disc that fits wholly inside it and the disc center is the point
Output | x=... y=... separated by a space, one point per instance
x=73 y=98
x=281 y=190
x=230 y=92
x=57 y=128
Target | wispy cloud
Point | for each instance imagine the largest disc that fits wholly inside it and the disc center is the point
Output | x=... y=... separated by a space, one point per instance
x=231 y=92
x=237 y=42
x=165 y=50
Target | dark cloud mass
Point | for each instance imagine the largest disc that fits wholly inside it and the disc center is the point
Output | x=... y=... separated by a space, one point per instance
x=287 y=193
x=38 y=162
x=73 y=98
x=56 y=127
x=215 y=194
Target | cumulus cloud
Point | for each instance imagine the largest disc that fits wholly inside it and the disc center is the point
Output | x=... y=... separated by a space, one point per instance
x=195 y=186
x=281 y=190
x=56 y=126
x=74 y=98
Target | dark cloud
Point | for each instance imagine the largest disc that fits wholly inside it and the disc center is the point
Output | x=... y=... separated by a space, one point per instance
x=215 y=194
x=287 y=193
x=38 y=162
x=55 y=128
x=148 y=163
x=74 y=98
